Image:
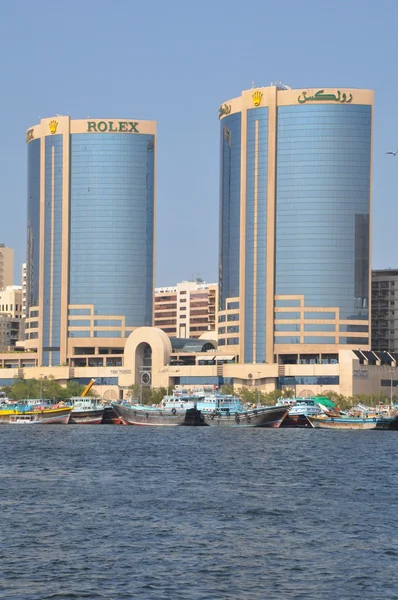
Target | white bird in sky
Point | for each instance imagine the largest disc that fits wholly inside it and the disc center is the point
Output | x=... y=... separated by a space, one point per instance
x=394 y=153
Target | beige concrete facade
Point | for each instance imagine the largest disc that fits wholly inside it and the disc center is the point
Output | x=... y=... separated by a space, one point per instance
x=187 y=310
x=71 y=349
x=353 y=372
x=11 y=301
x=6 y=266
x=273 y=97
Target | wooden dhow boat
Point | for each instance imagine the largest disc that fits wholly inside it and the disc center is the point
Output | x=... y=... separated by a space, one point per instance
x=351 y=422
x=30 y=413
x=86 y=411
x=185 y=414
x=222 y=410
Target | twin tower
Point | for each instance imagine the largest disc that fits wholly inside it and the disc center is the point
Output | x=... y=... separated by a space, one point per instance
x=295 y=205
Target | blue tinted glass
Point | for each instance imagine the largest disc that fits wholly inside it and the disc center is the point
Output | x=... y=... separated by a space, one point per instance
x=233 y=329
x=256 y=233
x=279 y=339
x=322 y=206
x=229 y=208
x=354 y=328
x=233 y=317
x=33 y=241
x=52 y=246
x=79 y=311
x=212 y=380
x=287 y=326
x=354 y=340
x=310 y=380
x=79 y=323
x=107 y=334
x=78 y=334
x=232 y=305
x=319 y=327
x=111 y=224
x=287 y=302
x=319 y=315
x=319 y=339
x=287 y=315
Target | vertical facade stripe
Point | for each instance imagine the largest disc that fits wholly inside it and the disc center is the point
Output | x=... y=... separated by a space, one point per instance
x=51 y=291
x=271 y=211
x=64 y=292
x=42 y=238
x=255 y=239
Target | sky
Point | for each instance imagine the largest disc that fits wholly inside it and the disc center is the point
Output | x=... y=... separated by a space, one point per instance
x=175 y=62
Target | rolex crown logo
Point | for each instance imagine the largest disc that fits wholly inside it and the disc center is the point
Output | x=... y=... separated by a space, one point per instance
x=257 y=95
x=53 y=126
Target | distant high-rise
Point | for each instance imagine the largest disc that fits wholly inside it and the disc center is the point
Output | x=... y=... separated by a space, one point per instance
x=295 y=222
x=90 y=247
x=6 y=266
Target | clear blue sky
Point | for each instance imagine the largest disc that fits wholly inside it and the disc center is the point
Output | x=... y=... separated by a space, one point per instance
x=175 y=62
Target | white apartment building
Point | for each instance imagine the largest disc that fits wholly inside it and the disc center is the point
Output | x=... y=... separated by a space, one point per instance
x=23 y=290
x=10 y=316
x=186 y=310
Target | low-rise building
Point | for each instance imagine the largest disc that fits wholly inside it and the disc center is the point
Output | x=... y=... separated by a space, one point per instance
x=385 y=310
x=152 y=358
x=9 y=332
x=10 y=317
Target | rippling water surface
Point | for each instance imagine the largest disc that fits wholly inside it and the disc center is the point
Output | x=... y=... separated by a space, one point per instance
x=197 y=513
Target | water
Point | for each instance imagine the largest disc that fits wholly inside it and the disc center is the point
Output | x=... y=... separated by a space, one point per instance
x=197 y=513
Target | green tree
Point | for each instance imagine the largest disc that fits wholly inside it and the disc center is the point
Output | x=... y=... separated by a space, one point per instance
x=157 y=395
x=227 y=388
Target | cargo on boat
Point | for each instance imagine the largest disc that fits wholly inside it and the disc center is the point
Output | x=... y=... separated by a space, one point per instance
x=27 y=413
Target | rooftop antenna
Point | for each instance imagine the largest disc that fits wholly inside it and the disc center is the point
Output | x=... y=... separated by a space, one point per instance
x=280 y=85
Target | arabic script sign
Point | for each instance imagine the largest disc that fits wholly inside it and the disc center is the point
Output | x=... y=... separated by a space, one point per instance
x=320 y=96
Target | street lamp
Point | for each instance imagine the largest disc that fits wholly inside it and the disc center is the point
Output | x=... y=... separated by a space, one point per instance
x=258 y=389
x=391 y=372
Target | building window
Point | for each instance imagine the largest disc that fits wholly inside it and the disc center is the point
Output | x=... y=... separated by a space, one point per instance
x=287 y=303
x=287 y=315
x=232 y=305
x=321 y=339
x=286 y=340
x=319 y=315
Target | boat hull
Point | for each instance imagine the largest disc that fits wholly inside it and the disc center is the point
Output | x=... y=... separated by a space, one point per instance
x=350 y=423
x=157 y=417
x=87 y=417
x=295 y=421
x=271 y=416
x=56 y=416
x=110 y=417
